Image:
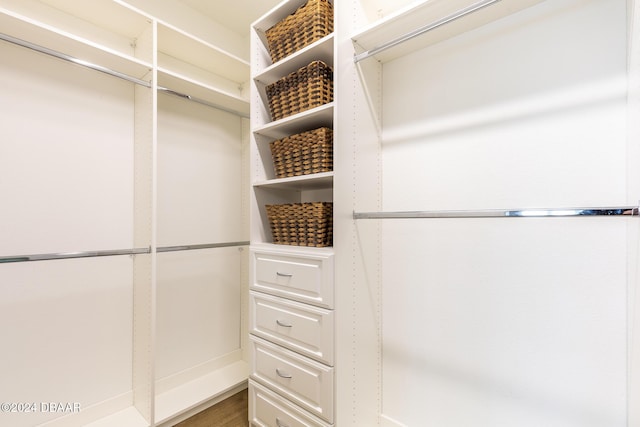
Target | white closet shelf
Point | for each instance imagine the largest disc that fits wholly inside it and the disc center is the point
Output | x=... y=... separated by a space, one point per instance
x=44 y=35
x=321 y=50
x=316 y=181
x=129 y=417
x=186 y=48
x=310 y=119
x=437 y=18
x=220 y=98
x=182 y=399
x=277 y=14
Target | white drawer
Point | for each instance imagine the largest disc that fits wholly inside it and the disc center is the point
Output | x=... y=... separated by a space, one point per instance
x=268 y=409
x=303 y=381
x=300 y=327
x=304 y=277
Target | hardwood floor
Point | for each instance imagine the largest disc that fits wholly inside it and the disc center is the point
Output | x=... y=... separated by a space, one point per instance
x=231 y=412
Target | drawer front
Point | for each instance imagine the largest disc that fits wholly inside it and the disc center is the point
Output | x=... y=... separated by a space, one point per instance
x=300 y=327
x=304 y=278
x=267 y=409
x=303 y=381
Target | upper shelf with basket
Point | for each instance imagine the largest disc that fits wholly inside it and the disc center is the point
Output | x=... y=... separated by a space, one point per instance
x=293 y=57
x=292 y=112
x=290 y=27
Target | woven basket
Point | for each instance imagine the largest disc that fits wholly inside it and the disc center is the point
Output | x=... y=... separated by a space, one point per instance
x=309 y=23
x=302 y=224
x=309 y=87
x=303 y=153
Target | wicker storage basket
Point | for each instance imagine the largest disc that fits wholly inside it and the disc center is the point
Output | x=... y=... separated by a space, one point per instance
x=309 y=87
x=302 y=224
x=303 y=153
x=309 y=23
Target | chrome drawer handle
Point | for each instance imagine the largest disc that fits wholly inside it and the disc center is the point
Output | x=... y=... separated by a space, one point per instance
x=284 y=325
x=283 y=375
x=280 y=423
x=283 y=274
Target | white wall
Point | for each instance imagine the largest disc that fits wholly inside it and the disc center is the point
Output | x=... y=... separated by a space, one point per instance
x=64 y=187
x=508 y=322
x=200 y=201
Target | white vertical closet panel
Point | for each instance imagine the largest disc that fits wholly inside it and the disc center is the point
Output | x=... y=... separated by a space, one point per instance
x=508 y=322
x=64 y=187
x=199 y=201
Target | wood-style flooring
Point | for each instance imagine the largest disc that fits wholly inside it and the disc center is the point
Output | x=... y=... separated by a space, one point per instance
x=231 y=412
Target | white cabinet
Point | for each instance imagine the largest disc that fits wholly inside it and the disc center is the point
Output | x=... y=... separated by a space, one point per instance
x=268 y=409
x=291 y=314
x=306 y=329
x=301 y=380
x=291 y=319
x=123 y=221
x=305 y=276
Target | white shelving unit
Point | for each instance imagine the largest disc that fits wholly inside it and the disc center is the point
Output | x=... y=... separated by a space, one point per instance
x=124 y=124
x=194 y=67
x=267 y=189
x=290 y=308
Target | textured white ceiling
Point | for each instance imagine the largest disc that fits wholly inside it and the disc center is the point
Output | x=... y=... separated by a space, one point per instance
x=236 y=15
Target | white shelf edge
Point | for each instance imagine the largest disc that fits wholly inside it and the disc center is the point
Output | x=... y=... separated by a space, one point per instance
x=204 y=42
x=205 y=87
x=413 y=17
x=302 y=182
x=322 y=115
x=290 y=249
x=320 y=50
x=187 y=48
x=277 y=14
x=129 y=417
x=220 y=98
x=52 y=38
x=179 y=400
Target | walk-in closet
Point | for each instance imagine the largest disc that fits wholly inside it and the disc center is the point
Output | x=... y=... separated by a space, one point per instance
x=347 y=213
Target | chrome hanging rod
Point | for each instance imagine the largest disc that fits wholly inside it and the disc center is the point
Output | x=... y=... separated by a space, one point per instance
x=72 y=59
x=70 y=255
x=515 y=213
x=424 y=29
x=202 y=246
x=201 y=101
x=116 y=252
x=111 y=72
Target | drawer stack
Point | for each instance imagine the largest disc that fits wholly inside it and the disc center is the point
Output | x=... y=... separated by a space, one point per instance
x=291 y=322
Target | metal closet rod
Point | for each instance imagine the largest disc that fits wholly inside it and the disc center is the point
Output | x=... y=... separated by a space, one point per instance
x=201 y=246
x=72 y=59
x=201 y=101
x=111 y=72
x=425 y=29
x=116 y=252
x=504 y=213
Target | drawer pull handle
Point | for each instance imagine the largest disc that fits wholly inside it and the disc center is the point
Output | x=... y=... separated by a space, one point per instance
x=283 y=274
x=283 y=324
x=283 y=374
x=280 y=423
